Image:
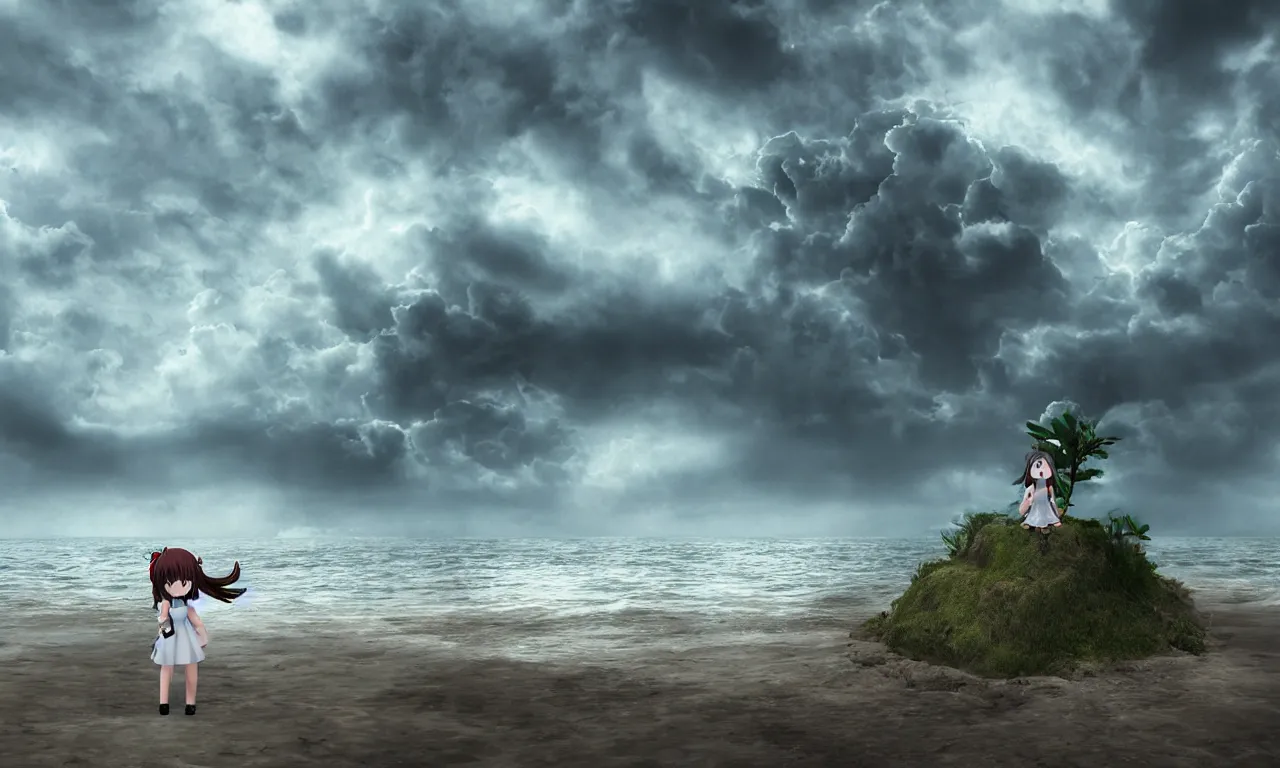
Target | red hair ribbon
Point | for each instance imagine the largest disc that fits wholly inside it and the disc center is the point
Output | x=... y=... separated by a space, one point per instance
x=151 y=567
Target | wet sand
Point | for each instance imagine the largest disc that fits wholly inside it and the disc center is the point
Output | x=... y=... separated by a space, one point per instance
x=333 y=698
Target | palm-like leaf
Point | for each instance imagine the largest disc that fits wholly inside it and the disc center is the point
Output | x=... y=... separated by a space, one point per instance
x=1038 y=432
x=1062 y=488
x=952 y=542
x=1071 y=441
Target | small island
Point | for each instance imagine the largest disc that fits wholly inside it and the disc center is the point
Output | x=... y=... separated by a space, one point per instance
x=1012 y=602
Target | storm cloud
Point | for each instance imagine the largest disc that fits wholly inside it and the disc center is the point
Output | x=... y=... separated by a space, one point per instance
x=784 y=267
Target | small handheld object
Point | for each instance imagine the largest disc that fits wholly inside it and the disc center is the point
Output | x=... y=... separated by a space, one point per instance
x=166 y=628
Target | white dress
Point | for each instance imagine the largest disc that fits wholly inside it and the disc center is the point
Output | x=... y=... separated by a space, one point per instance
x=183 y=647
x=1041 y=513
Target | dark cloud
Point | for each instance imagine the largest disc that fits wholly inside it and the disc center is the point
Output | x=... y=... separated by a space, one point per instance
x=1186 y=40
x=409 y=81
x=361 y=305
x=1172 y=295
x=28 y=428
x=291 y=22
x=1092 y=73
x=424 y=261
x=719 y=44
x=618 y=346
x=1162 y=81
x=889 y=224
x=822 y=181
x=7 y=309
x=336 y=456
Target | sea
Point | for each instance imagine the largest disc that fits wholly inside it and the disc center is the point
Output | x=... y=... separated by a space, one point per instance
x=540 y=598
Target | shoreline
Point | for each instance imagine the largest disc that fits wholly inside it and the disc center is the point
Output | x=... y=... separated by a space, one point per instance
x=331 y=697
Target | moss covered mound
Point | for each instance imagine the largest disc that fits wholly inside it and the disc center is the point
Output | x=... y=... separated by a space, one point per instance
x=1004 y=606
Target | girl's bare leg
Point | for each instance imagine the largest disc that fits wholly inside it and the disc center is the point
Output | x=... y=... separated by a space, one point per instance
x=192 y=677
x=166 y=677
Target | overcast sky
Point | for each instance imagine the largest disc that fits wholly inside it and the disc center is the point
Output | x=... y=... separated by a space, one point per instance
x=800 y=267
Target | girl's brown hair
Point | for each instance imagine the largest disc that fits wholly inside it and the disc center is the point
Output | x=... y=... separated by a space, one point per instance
x=173 y=564
x=1026 y=478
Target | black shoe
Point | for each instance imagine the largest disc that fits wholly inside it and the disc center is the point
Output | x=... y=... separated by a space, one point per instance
x=164 y=709
x=190 y=710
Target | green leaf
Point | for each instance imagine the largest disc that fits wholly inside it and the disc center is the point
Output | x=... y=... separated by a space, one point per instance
x=1100 y=454
x=1060 y=459
x=1062 y=493
x=1061 y=431
x=1038 y=432
x=1069 y=419
x=1088 y=474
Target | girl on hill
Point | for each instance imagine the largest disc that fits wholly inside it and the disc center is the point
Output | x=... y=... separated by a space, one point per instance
x=1039 y=508
x=177 y=579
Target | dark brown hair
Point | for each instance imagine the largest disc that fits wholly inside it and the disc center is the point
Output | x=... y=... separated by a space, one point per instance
x=173 y=564
x=1026 y=479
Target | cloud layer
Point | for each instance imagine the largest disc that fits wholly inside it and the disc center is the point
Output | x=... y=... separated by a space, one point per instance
x=786 y=267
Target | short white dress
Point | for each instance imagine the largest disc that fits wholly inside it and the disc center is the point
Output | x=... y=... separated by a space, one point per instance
x=1042 y=512
x=183 y=647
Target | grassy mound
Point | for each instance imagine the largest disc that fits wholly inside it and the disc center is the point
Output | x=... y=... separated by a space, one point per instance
x=999 y=606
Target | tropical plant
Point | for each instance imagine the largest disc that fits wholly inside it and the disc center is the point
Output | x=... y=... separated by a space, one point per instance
x=1071 y=441
x=954 y=541
x=959 y=540
x=1130 y=564
x=1126 y=529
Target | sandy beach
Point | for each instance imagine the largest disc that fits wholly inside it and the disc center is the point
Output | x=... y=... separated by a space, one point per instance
x=332 y=698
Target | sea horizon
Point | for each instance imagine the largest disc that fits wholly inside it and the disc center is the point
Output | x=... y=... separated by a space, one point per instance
x=691 y=571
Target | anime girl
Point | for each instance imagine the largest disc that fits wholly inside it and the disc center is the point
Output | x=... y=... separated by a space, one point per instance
x=1039 y=508
x=177 y=579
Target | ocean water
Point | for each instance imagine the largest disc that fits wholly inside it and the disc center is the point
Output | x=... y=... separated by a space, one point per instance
x=536 y=597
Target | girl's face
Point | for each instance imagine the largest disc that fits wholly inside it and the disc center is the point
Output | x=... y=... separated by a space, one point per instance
x=177 y=588
x=1040 y=469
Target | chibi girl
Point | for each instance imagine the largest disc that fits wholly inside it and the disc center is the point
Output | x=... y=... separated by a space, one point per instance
x=177 y=578
x=1039 y=508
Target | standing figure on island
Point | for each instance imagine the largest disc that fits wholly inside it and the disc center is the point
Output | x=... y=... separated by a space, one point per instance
x=1039 y=508
x=178 y=579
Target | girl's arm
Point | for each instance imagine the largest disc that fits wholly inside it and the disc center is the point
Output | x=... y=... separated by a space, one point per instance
x=164 y=611
x=1026 y=501
x=194 y=618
